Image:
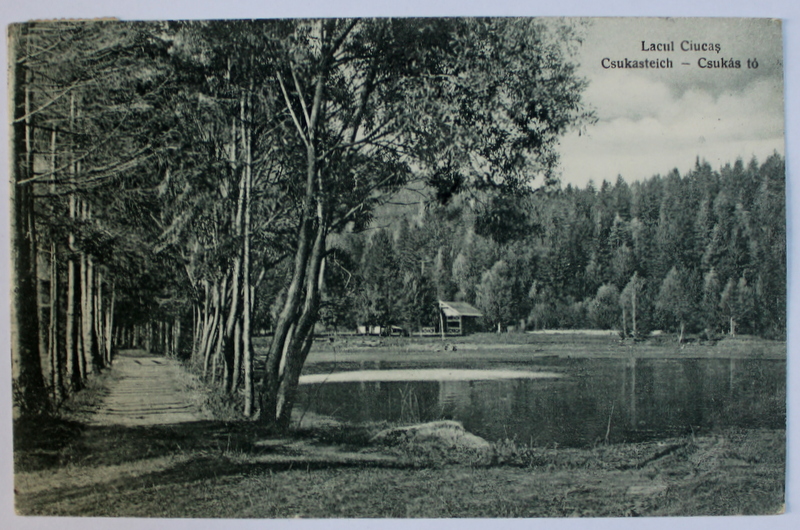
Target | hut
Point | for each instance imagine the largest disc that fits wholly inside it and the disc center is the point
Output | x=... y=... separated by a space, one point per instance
x=457 y=318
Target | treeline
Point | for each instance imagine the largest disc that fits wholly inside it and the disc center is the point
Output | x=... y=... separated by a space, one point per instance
x=79 y=122
x=704 y=252
x=177 y=185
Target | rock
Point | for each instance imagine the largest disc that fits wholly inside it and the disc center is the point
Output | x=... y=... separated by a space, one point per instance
x=438 y=442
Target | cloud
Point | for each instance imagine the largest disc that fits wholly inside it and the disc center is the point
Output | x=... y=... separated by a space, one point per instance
x=645 y=129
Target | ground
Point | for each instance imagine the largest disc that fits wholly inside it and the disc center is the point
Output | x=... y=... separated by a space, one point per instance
x=111 y=453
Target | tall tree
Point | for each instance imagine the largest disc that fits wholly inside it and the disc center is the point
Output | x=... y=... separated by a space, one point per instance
x=29 y=390
x=629 y=300
x=675 y=300
x=710 y=302
x=381 y=283
x=369 y=97
x=494 y=295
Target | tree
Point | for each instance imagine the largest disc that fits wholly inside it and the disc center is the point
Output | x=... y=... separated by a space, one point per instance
x=381 y=283
x=29 y=394
x=710 y=304
x=629 y=301
x=675 y=300
x=604 y=308
x=494 y=295
x=737 y=303
x=366 y=98
x=85 y=123
x=219 y=176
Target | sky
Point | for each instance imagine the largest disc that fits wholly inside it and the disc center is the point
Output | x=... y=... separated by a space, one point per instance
x=650 y=121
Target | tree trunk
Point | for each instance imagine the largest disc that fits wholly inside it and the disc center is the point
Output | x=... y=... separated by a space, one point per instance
x=289 y=314
x=195 y=333
x=176 y=336
x=237 y=355
x=110 y=325
x=211 y=327
x=99 y=321
x=73 y=356
x=232 y=346
x=624 y=322
x=87 y=304
x=56 y=366
x=43 y=268
x=247 y=346
x=300 y=343
x=166 y=339
x=29 y=388
x=278 y=389
x=220 y=330
x=148 y=337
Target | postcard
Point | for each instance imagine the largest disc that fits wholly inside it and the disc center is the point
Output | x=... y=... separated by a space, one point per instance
x=398 y=267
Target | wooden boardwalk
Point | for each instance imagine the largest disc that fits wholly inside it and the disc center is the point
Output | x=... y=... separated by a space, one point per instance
x=150 y=390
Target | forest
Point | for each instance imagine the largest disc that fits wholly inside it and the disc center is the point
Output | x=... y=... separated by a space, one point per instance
x=701 y=253
x=183 y=186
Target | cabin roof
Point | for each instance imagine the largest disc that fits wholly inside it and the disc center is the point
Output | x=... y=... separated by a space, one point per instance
x=459 y=309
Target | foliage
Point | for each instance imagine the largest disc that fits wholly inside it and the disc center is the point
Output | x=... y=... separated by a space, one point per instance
x=494 y=295
x=604 y=309
x=675 y=299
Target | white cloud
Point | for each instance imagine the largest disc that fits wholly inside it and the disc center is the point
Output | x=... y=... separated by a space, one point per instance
x=646 y=129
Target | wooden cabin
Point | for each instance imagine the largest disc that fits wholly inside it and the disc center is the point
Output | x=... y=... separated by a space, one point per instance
x=457 y=318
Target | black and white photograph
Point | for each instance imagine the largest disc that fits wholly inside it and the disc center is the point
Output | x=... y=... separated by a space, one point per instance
x=398 y=267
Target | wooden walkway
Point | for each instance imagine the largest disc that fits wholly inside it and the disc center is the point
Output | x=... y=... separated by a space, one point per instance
x=150 y=390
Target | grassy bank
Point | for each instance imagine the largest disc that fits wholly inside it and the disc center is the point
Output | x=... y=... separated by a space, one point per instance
x=222 y=470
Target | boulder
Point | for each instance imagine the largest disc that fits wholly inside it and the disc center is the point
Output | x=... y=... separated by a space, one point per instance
x=445 y=442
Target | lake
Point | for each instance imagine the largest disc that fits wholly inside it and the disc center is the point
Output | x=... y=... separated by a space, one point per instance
x=559 y=401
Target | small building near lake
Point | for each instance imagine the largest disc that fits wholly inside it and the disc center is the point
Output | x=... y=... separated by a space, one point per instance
x=458 y=318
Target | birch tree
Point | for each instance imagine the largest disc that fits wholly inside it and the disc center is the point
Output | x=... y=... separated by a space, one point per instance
x=468 y=103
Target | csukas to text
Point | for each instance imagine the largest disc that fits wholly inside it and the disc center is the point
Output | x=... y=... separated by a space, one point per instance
x=685 y=46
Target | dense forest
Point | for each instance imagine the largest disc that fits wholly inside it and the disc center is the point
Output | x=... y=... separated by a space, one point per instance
x=180 y=186
x=703 y=252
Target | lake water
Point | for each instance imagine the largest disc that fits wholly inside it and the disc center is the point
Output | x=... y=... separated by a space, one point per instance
x=571 y=402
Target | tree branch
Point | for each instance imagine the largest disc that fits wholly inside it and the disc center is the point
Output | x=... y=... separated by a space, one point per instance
x=300 y=95
x=291 y=111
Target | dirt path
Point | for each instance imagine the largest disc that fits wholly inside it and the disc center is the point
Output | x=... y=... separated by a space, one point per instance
x=150 y=390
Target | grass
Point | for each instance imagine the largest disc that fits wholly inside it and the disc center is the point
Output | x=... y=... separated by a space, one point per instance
x=510 y=347
x=328 y=469
x=717 y=475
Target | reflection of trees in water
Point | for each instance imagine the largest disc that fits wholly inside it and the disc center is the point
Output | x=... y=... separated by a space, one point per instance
x=455 y=399
x=650 y=397
x=694 y=388
x=662 y=396
x=678 y=395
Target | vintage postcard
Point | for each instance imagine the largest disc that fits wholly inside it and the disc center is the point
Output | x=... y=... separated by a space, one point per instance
x=398 y=267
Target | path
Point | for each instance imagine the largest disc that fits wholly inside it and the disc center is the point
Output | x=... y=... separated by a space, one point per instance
x=150 y=390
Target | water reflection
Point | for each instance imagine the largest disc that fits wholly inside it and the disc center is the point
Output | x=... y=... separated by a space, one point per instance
x=596 y=399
